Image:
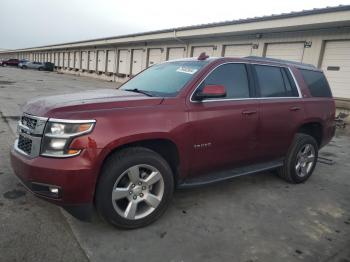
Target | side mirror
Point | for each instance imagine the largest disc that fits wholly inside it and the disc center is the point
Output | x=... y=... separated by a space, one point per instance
x=211 y=91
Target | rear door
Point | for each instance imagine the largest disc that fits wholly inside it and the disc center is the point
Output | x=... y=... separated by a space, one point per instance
x=224 y=130
x=281 y=110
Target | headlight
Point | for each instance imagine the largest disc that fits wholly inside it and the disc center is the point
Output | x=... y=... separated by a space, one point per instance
x=59 y=134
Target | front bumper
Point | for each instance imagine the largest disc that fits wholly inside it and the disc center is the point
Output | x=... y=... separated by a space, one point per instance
x=75 y=177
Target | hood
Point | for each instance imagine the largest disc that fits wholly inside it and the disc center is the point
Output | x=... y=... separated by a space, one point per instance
x=87 y=101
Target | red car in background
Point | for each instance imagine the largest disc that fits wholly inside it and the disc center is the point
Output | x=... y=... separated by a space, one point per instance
x=10 y=62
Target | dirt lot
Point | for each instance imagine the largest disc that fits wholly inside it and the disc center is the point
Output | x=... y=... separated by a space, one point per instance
x=252 y=218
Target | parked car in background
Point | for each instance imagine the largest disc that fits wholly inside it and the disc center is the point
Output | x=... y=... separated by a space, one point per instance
x=178 y=124
x=47 y=66
x=22 y=62
x=10 y=62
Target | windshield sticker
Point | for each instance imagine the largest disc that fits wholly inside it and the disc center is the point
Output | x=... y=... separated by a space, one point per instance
x=187 y=70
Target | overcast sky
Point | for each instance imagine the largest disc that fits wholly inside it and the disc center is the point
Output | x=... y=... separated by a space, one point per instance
x=28 y=23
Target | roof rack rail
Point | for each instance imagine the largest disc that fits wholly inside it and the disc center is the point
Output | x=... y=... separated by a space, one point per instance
x=282 y=61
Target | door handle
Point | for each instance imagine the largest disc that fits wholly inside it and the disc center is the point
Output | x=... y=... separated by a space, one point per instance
x=295 y=108
x=249 y=112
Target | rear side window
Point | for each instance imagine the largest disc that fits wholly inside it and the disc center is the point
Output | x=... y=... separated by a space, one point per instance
x=317 y=83
x=274 y=82
x=233 y=76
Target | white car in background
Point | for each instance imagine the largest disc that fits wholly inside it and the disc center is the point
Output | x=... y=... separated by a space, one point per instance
x=32 y=65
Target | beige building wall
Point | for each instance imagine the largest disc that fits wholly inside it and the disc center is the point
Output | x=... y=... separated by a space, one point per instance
x=295 y=38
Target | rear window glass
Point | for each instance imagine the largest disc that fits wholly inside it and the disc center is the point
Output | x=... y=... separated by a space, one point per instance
x=274 y=82
x=317 y=83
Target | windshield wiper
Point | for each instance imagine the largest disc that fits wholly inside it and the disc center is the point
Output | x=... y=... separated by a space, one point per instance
x=136 y=90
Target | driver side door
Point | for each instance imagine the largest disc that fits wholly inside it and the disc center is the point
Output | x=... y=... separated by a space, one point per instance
x=224 y=130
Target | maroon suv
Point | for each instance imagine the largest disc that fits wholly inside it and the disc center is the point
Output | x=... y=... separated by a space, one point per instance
x=178 y=124
x=10 y=62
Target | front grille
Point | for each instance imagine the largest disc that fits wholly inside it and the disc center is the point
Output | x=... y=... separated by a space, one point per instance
x=29 y=122
x=30 y=131
x=25 y=144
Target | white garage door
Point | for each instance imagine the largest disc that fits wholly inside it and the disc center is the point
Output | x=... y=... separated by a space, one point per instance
x=92 y=60
x=154 y=56
x=60 y=61
x=288 y=51
x=101 y=60
x=77 y=60
x=209 y=50
x=71 y=60
x=57 y=58
x=137 y=61
x=176 y=53
x=124 y=62
x=84 y=60
x=110 y=61
x=336 y=65
x=237 y=50
x=66 y=59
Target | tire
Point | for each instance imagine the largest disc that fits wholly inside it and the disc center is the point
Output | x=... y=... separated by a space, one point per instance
x=298 y=154
x=24 y=67
x=117 y=172
x=40 y=68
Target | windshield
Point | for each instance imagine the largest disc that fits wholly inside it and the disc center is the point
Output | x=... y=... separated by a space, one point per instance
x=165 y=79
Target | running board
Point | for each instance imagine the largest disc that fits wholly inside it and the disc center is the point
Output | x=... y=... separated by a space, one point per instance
x=228 y=174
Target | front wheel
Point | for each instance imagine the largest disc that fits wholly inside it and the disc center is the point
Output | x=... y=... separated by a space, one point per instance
x=301 y=159
x=135 y=188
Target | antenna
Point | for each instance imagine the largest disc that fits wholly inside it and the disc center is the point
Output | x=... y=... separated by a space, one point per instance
x=202 y=56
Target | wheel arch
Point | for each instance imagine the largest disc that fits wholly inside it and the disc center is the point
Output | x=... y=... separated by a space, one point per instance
x=313 y=128
x=164 y=146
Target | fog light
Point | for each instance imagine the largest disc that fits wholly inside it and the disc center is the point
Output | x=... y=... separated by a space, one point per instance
x=54 y=190
x=51 y=191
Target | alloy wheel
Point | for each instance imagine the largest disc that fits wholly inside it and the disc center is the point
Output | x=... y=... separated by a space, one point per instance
x=138 y=192
x=305 y=160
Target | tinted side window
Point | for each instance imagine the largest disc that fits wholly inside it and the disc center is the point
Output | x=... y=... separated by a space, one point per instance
x=317 y=83
x=274 y=82
x=233 y=76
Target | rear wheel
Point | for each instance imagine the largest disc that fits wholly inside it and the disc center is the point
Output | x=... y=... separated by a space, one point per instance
x=40 y=68
x=301 y=159
x=135 y=187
